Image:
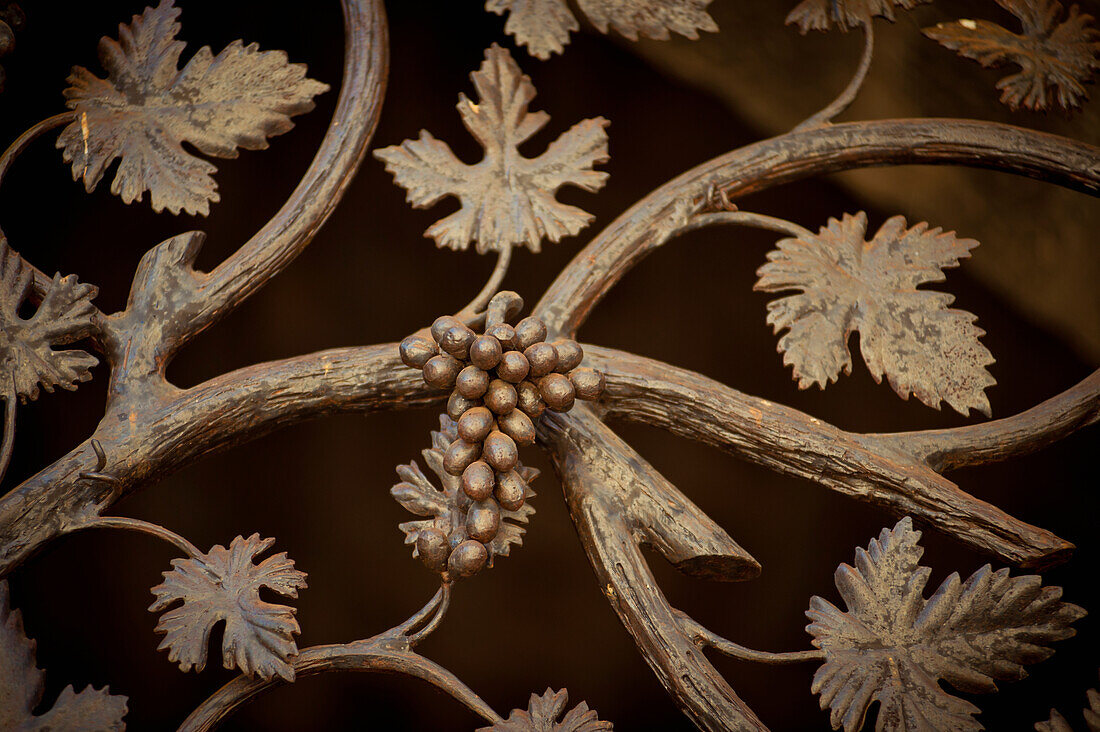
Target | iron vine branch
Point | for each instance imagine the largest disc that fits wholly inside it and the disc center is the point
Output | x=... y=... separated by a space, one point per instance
x=795 y=156
x=241 y=405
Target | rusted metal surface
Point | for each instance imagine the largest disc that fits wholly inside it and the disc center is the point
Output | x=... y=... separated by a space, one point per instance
x=517 y=385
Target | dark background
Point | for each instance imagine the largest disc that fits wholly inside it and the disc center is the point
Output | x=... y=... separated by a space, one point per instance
x=538 y=619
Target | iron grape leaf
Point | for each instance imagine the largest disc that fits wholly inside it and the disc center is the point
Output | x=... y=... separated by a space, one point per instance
x=543 y=26
x=1056 y=57
x=224 y=585
x=848 y=285
x=544 y=714
x=91 y=710
x=823 y=14
x=63 y=316
x=650 y=18
x=147 y=107
x=893 y=646
x=445 y=507
x=506 y=199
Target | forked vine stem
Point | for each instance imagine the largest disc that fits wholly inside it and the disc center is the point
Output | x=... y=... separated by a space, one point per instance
x=427 y=618
x=8 y=157
x=478 y=304
x=378 y=655
x=746 y=218
x=439 y=606
x=389 y=652
x=33 y=133
x=708 y=639
x=842 y=102
x=144 y=527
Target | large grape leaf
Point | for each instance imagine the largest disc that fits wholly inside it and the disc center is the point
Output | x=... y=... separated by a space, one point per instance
x=544 y=25
x=147 y=107
x=225 y=584
x=544 y=714
x=1056 y=56
x=506 y=198
x=445 y=507
x=823 y=14
x=91 y=710
x=26 y=345
x=893 y=646
x=848 y=285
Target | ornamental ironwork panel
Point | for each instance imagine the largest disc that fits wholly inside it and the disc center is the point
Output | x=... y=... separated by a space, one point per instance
x=509 y=376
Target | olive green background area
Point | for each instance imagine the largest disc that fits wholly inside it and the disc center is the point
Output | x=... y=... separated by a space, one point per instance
x=538 y=619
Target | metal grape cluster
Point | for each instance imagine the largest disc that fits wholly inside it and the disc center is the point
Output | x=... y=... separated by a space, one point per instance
x=513 y=386
x=501 y=382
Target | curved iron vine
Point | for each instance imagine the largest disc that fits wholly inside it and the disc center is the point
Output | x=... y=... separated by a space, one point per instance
x=513 y=385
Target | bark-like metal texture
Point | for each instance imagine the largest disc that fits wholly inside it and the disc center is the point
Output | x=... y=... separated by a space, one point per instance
x=509 y=386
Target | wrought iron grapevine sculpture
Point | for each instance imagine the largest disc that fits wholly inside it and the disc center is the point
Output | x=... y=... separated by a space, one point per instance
x=515 y=386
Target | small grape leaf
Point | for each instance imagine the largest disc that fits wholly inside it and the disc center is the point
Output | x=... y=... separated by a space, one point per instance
x=445 y=507
x=893 y=646
x=224 y=584
x=26 y=346
x=849 y=285
x=1056 y=59
x=543 y=26
x=506 y=198
x=21 y=682
x=1058 y=723
x=147 y=107
x=822 y=14
x=650 y=18
x=544 y=714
